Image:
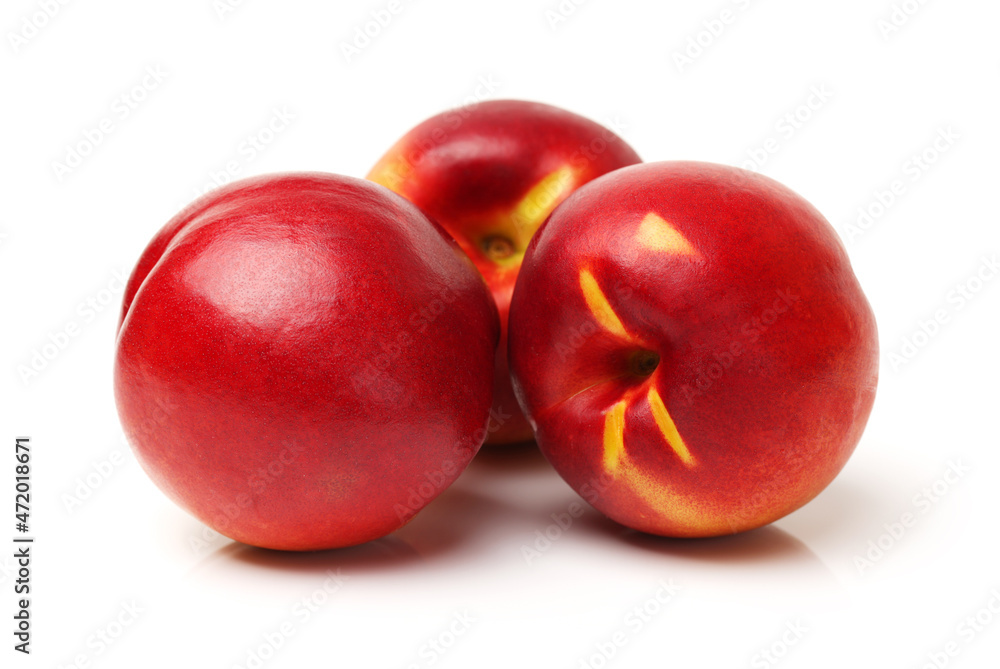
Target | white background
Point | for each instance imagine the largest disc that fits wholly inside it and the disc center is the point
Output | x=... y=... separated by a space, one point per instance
x=799 y=587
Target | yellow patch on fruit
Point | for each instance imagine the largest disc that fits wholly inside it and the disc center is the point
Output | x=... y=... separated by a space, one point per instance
x=391 y=172
x=543 y=197
x=614 y=437
x=689 y=515
x=599 y=305
x=657 y=234
x=668 y=428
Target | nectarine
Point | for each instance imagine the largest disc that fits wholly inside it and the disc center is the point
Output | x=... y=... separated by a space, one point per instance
x=692 y=337
x=304 y=360
x=490 y=174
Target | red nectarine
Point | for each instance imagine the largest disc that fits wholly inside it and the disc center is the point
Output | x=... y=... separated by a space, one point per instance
x=691 y=337
x=304 y=360
x=490 y=174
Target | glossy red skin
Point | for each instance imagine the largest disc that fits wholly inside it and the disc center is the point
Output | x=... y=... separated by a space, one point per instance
x=775 y=427
x=467 y=169
x=249 y=332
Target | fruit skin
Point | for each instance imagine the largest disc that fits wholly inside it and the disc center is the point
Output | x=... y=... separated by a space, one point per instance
x=768 y=351
x=490 y=174
x=304 y=360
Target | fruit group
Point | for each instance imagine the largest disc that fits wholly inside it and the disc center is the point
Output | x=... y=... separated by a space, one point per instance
x=690 y=341
x=304 y=360
x=490 y=174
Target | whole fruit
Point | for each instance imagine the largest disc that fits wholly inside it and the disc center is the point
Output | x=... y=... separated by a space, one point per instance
x=490 y=174
x=692 y=348
x=304 y=360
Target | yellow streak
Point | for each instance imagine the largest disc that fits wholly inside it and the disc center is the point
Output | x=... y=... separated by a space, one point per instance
x=669 y=429
x=391 y=172
x=693 y=516
x=599 y=306
x=614 y=437
x=690 y=515
x=543 y=197
x=657 y=234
